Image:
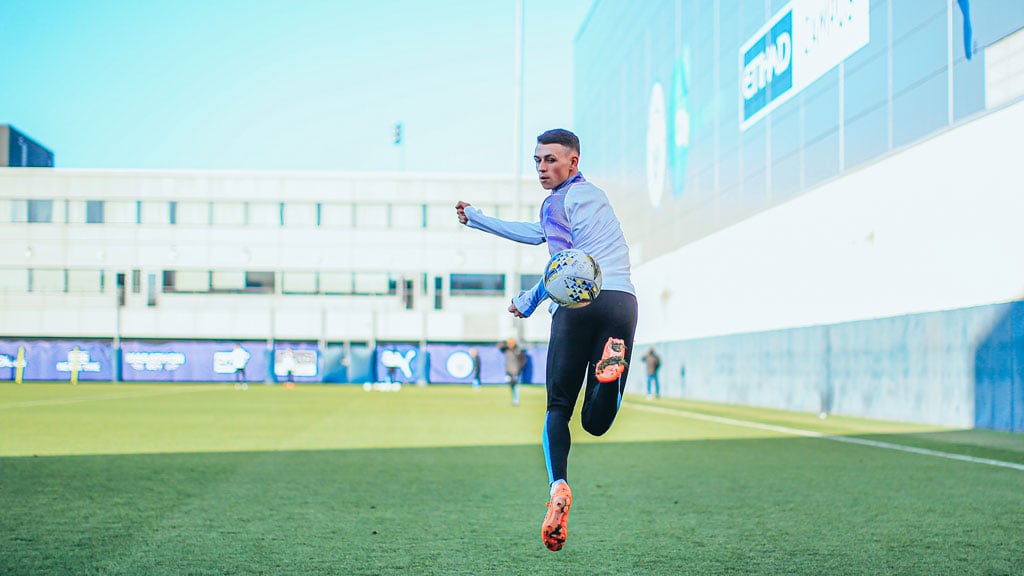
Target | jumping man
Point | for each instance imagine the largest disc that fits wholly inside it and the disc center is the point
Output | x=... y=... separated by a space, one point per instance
x=592 y=343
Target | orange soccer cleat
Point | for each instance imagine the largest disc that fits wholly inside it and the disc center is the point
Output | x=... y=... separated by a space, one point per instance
x=555 y=528
x=613 y=362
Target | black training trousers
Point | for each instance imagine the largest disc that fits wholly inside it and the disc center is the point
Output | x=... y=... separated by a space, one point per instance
x=578 y=336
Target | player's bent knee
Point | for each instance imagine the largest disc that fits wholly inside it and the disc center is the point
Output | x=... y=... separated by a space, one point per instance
x=596 y=428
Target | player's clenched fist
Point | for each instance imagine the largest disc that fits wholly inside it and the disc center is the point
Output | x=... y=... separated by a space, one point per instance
x=460 y=209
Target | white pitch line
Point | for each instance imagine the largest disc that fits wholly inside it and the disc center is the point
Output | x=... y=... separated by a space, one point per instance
x=813 y=434
x=121 y=395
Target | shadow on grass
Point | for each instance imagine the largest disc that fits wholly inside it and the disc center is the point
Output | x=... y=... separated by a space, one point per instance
x=755 y=506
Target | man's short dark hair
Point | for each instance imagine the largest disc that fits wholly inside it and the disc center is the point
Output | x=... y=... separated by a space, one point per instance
x=560 y=136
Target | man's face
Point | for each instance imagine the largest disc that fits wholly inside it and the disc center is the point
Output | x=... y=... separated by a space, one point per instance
x=555 y=163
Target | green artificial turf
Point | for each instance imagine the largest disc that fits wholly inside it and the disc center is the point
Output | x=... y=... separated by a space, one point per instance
x=175 y=479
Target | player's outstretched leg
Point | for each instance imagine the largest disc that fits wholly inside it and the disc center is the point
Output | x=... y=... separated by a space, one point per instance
x=555 y=528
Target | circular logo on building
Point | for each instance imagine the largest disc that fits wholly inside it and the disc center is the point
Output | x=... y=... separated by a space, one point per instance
x=657 y=136
x=679 y=125
x=460 y=364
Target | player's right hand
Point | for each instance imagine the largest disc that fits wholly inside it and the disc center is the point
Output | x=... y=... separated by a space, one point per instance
x=460 y=209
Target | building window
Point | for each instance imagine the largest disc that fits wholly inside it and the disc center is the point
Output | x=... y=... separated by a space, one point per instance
x=262 y=282
x=85 y=281
x=40 y=211
x=187 y=281
x=229 y=213
x=172 y=212
x=303 y=283
x=528 y=281
x=14 y=280
x=94 y=211
x=374 y=284
x=476 y=284
x=337 y=283
x=227 y=281
x=46 y=280
x=136 y=281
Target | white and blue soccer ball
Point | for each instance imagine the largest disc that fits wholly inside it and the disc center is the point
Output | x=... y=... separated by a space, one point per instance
x=572 y=278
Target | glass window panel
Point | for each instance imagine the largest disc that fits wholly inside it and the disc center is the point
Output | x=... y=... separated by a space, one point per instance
x=228 y=280
x=228 y=213
x=372 y=216
x=821 y=108
x=867 y=137
x=264 y=214
x=13 y=211
x=477 y=284
x=865 y=87
x=299 y=282
x=40 y=211
x=440 y=216
x=260 y=282
x=155 y=212
x=336 y=215
x=336 y=282
x=94 y=211
x=13 y=280
x=89 y=281
x=47 y=280
x=192 y=213
x=192 y=281
x=371 y=283
x=407 y=216
x=920 y=54
x=919 y=112
x=821 y=159
x=968 y=87
x=786 y=177
x=528 y=281
x=300 y=215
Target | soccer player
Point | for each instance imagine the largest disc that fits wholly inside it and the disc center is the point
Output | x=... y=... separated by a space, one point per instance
x=592 y=343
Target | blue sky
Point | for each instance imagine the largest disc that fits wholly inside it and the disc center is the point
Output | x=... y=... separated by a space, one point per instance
x=284 y=85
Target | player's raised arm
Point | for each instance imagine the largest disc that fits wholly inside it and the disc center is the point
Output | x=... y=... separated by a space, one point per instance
x=525 y=232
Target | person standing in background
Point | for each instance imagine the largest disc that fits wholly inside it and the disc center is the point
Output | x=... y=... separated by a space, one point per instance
x=515 y=360
x=653 y=363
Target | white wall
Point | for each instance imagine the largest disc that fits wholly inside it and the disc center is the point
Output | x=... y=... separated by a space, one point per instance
x=938 y=226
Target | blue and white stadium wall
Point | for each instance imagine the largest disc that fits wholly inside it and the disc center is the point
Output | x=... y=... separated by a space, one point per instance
x=892 y=292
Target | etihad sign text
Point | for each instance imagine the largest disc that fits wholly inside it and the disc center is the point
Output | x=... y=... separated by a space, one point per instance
x=772 y=61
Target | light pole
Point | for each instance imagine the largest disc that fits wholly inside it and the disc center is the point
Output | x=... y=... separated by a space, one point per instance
x=518 y=156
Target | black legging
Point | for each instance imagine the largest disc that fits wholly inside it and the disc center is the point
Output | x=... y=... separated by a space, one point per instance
x=577 y=341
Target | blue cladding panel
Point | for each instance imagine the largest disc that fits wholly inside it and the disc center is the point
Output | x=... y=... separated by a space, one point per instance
x=957 y=368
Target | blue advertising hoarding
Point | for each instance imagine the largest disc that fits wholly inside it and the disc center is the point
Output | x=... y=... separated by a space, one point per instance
x=296 y=362
x=56 y=360
x=192 y=361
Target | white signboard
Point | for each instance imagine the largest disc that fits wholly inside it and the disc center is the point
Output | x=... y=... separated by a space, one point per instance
x=802 y=42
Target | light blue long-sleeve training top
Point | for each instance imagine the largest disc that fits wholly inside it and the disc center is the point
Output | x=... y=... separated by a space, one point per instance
x=576 y=214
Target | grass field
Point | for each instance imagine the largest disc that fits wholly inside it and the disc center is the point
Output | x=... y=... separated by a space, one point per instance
x=205 y=479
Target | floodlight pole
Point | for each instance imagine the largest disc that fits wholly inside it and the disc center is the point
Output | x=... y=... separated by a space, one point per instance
x=517 y=179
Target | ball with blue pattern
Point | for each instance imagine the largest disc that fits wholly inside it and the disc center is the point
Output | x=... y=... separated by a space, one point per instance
x=572 y=278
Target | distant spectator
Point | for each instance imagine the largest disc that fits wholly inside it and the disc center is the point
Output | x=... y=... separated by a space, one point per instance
x=239 y=359
x=653 y=363
x=515 y=361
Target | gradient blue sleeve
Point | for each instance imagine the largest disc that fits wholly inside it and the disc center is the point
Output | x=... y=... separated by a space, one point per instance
x=528 y=300
x=525 y=232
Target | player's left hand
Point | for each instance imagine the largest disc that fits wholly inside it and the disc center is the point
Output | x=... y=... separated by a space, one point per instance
x=515 y=311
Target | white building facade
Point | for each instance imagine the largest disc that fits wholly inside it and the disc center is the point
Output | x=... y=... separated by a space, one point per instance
x=322 y=258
